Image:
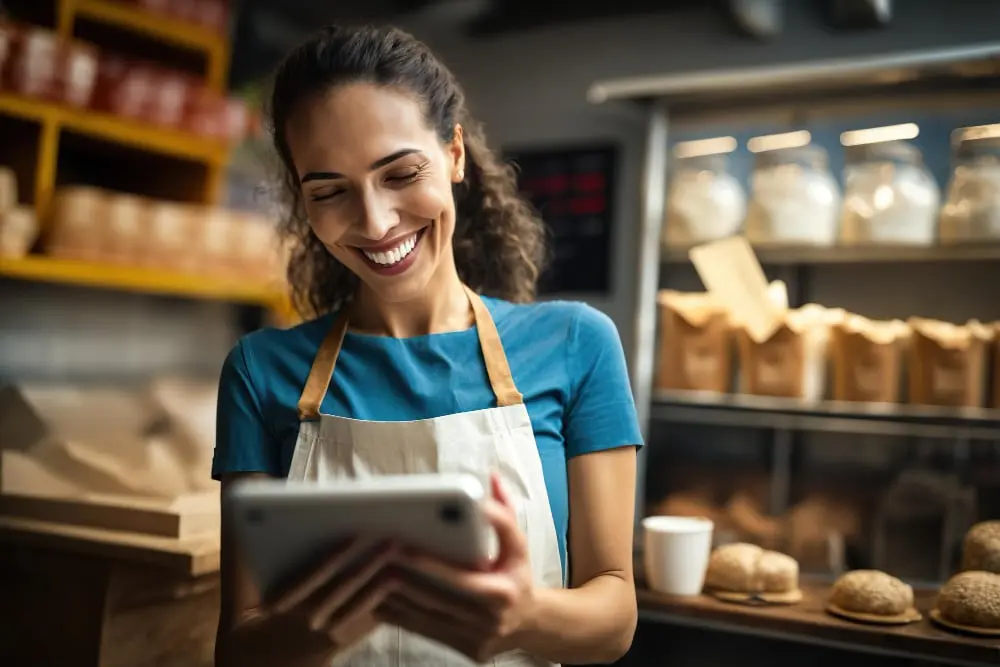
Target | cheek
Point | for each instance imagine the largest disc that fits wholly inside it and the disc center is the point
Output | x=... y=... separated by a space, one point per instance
x=327 y=224
x=428 y=201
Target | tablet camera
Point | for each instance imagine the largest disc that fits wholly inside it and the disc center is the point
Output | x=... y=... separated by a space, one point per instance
x=451 y=513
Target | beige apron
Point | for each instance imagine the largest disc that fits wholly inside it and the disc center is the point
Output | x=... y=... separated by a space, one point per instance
x=478 y=442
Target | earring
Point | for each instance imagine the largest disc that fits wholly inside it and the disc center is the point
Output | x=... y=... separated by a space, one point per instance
x=461 y=174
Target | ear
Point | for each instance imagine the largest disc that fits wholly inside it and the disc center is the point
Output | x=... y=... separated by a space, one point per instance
x=456 y=150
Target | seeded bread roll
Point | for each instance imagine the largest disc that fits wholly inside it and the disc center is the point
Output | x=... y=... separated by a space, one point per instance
x=981 y=547
x=971 y=598
x=871 y=592
x=746 y=568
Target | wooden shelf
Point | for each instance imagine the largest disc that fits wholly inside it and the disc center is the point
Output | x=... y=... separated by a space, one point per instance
x=770 y=412
x=810 y=255
x=116 y=130
x=140 y=280
x=808 y=623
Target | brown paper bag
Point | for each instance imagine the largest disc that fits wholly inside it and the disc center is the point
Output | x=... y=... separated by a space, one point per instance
x=948 y=363
x=867 y=359
x=695 y=344
x=792 y=362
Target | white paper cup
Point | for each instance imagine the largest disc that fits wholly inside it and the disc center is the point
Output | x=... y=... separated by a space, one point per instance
x=676 y=553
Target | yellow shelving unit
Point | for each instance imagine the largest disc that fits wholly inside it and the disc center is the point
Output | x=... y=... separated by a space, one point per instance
x=56 y=121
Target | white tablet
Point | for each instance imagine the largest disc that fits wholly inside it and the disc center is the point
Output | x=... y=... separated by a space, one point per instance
x=285 y=529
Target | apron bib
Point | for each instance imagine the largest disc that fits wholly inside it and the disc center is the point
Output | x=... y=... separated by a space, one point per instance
x=495 y=439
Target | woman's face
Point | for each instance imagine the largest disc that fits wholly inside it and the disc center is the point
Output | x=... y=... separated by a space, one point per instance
x=377 y=185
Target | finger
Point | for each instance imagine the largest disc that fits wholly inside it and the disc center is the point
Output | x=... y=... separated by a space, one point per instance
x=511 y=540
x=491 y=588
x=499 y=492
x=301 y=591
x=361 y=618
x=349 y=588
x=446 y=605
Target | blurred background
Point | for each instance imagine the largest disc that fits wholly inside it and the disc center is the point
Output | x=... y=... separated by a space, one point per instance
x=855 y=142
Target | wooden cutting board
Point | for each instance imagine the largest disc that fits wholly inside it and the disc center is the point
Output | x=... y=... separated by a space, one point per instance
x=30 y=491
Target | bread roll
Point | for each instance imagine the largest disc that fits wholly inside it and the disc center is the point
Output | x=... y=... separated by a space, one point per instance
x=871 y=592
x=972 y=599
x=747 y=568
x=981 y=547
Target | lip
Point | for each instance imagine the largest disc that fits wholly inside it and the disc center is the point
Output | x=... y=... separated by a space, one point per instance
x=395 y=269
x=388 y=245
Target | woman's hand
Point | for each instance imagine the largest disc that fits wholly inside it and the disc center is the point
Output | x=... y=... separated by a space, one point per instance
x=487 y=609
x=337 y=603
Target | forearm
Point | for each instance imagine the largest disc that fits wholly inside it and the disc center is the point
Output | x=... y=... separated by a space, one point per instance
x=593 y=623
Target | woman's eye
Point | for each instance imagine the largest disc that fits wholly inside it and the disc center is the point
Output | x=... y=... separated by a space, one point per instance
x=403 y=178
x=323 y=196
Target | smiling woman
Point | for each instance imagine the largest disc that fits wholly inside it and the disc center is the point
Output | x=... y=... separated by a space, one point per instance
x=419 y=261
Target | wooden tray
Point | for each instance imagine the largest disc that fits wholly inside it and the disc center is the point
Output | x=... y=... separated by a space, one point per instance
x=941 y=621
x=909 y=616
x=790 y=597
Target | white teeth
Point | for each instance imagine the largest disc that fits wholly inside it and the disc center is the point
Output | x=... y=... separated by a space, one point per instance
x=393 y=255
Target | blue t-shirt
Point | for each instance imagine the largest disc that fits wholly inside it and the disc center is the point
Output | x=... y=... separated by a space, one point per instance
x=566 y=359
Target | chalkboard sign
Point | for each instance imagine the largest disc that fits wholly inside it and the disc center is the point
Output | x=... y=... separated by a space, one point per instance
x=573 y=190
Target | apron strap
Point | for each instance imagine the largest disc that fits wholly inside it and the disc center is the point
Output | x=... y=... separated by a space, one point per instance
x=497 y=368
x=321 y=372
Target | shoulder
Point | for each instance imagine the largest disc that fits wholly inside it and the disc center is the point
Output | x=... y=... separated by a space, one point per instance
x=574 y=322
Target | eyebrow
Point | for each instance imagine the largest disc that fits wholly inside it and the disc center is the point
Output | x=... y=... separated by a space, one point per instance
x=377 y=164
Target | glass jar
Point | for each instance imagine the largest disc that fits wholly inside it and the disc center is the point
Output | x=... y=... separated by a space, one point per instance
x=796 y=200
x=889 y=196
x=705 y=201
x=971 y=211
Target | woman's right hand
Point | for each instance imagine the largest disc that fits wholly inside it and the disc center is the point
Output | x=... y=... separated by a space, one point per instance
x=339 y=599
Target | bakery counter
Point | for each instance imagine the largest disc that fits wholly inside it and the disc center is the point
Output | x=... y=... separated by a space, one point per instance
x=85 y=597
x=808 y=623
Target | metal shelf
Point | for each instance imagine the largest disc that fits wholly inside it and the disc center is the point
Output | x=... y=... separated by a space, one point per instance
x=812 y=255
x=893 y=420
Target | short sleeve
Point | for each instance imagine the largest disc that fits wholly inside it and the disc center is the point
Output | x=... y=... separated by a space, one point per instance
x=601 y=413
x=242 y=440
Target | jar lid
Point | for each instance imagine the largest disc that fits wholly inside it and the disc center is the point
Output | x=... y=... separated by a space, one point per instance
x=976 y=146
x=810 y=155
x=885 y=151
x=714 y=162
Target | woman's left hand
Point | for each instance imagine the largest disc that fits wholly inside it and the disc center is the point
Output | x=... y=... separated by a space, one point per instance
x=490 y=606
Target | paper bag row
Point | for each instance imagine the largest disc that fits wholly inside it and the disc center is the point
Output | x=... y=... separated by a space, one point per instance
x=820 y=353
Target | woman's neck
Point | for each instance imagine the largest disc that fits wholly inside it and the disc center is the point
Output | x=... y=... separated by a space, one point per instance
x=443 y=306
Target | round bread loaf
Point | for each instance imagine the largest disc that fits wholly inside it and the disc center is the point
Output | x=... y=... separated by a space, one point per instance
x=981 y=547
x=747 y=568
x=971 y=598
x=871 y=592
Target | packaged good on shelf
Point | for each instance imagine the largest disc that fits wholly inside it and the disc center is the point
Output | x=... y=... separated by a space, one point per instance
x=212 y=14
x=124 y=88
x=889 y=196
x=971 y=211
x=948 y=363
x=8 y=189
x=695 y=343
x=257 y=246
x=705 y=201
x=128 y=231
x=792 y=362
x=981 y=547
x=867 y=359
x=44 y=66
x=795 y=199
x=820 y=526
x=168 y=99
x=169 y=236
x=79 y=223
x=205 y=114
x=18 y=231
x=218 y=240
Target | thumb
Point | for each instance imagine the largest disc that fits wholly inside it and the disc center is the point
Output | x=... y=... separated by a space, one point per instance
x=498 y=492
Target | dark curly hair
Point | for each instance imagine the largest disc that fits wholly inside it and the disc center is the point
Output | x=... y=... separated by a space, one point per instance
x=499 y=241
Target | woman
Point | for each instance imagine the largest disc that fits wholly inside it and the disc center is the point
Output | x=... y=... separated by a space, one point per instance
x=402 y=217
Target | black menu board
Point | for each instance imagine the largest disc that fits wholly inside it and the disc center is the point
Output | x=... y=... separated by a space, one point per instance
x=572 y=188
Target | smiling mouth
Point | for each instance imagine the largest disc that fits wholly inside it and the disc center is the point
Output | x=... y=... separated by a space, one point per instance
x=396 y=257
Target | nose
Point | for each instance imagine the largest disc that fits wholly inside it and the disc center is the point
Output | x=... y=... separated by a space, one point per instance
x=378 y=217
